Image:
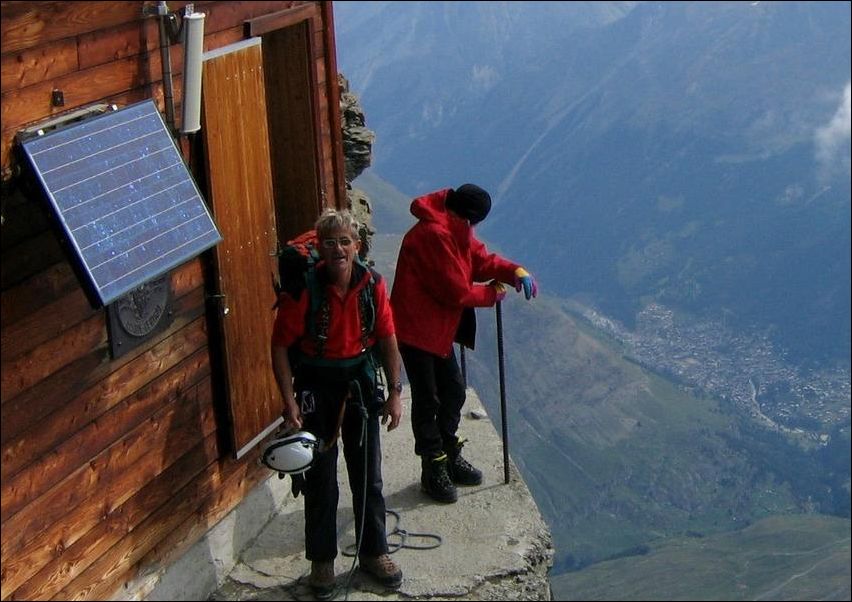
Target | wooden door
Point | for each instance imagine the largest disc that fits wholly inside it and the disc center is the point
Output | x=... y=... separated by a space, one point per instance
x=293 y=127
x=240 y=189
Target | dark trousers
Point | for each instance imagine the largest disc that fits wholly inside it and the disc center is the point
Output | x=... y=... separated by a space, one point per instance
x=321 y=487
x=437 y=397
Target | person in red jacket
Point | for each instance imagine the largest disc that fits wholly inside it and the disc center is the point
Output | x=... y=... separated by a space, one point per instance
x=329 y=384
x=442 y=273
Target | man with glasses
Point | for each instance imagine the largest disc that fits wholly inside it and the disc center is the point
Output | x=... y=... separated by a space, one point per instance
x=441 y=276
x=322 y=354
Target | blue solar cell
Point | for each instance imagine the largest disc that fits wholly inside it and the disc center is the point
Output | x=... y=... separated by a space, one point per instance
x=124 y=197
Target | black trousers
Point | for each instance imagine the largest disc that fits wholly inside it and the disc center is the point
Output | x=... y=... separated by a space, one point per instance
x=437 y=397
x=320 y=392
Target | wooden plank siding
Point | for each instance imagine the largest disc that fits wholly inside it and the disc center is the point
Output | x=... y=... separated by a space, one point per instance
x=112 y=467
x=126 y=59
x=71 y=400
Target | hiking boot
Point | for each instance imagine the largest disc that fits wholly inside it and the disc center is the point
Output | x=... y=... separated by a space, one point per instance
x=382 y=569
x=435 y=480
x=321 y=579
x=461 y=471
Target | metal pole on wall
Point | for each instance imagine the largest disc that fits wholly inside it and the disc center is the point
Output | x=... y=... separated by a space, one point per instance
x=502 y=369
x=166 y=20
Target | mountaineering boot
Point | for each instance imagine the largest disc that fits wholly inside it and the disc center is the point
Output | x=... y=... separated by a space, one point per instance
x=321 y=579
x=383 y=569
x=461 y=471
x=435 y=480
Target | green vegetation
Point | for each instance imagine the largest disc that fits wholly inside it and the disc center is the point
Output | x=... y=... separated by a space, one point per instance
x=804 y=557
x=616 y=457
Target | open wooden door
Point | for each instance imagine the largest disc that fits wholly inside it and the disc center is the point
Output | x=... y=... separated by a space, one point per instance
x=240 y=192
x=293 y=119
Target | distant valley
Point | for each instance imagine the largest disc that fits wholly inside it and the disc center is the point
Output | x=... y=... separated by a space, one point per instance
x=778 y=558
x=806 y=404
x=617 y=456
x=677 y=177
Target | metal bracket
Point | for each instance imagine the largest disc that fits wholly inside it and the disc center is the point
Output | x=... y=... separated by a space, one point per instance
x=42 y=128
x=161 y=10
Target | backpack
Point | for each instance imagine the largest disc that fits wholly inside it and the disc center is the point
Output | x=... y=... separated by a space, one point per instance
x=297 y=263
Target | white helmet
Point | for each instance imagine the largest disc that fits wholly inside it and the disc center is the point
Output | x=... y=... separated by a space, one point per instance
x=291 y=453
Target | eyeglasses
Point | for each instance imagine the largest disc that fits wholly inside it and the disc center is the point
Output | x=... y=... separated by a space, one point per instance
x=330 y=243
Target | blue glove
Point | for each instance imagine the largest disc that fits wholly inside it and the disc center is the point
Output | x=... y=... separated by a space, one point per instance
x=524 y=279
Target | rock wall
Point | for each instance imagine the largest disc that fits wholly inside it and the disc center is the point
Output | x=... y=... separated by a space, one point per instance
x=357 y=154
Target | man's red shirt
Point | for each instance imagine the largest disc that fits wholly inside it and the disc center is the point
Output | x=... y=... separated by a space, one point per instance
x=344 y=331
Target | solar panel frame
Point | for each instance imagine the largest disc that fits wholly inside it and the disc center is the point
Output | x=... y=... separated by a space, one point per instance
x=124 y=198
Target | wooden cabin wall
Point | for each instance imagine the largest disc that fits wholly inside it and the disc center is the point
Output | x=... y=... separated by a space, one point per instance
x=108 y=466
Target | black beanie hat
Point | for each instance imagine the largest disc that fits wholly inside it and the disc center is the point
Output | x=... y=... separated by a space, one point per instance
x=469 y=201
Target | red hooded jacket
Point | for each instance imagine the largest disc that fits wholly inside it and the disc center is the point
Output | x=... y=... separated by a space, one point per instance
x=439 y=263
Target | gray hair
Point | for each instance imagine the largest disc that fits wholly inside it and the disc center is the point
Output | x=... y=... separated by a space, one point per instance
x=333 y=219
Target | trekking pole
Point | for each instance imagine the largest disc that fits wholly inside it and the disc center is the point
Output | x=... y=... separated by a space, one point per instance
x=463 y=365
x=505 y=426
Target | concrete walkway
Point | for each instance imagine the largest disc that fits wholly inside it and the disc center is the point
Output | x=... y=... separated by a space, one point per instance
x=494 y=543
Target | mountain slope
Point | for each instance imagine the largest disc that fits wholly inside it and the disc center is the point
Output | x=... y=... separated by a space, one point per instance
x=617 y=457
x=778 y=558
x=662 y=154
x=692 y=154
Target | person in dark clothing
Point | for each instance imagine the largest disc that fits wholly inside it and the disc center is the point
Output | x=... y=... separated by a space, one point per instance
x=441 y=274
x=329 y=385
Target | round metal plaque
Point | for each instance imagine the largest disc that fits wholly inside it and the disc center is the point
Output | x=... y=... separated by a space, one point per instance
x=140 y=310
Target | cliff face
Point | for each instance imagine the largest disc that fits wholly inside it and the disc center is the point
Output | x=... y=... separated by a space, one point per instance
x=357 y=138
x=357 y=154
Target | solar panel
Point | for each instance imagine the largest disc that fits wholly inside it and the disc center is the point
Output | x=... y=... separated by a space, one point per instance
x=124 y=197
